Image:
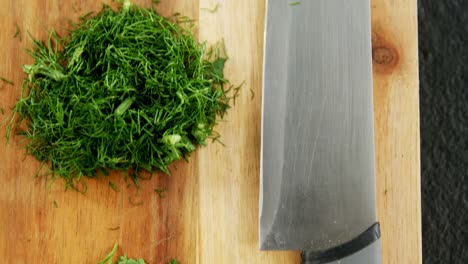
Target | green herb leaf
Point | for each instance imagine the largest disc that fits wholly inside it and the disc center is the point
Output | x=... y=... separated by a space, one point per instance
x=125 y=260
x=113 y=186
x=161 y=192
x=108 y=258
x=18 y=32
x=6 y=81
x=122 y=259
x=212 y=10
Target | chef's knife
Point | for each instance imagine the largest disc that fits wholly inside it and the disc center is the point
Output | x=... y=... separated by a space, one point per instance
x=317 y=173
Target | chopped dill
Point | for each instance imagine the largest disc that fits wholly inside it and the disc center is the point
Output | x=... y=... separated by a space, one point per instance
x=294 y=3
x=252 y=94
x=73 y=185
x=108 y=258
x=161 y=192
x=18 y=32
x=55 y=204
x=212 y=10
x=130 y=200
x=75 y=9
x=124 y=259
x=113 y=186
x=6 y=81
x=125 y=90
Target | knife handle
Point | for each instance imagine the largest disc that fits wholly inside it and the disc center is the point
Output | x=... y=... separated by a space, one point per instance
x=364 y=249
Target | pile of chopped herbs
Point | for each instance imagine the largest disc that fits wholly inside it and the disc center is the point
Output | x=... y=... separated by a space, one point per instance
x=125 y=89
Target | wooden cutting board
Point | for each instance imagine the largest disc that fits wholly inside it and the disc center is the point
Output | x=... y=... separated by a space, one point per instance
x=210 y=213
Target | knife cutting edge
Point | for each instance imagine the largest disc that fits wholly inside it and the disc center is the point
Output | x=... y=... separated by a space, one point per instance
x=317 y=191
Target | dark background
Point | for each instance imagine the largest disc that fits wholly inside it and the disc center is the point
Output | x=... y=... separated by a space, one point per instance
x=443 y=55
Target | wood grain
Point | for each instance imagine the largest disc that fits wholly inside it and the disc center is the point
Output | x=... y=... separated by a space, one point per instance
x=396 y=108
x=210 y=213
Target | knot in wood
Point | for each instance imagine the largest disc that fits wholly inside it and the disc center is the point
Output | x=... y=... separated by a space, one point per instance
x=383 y=55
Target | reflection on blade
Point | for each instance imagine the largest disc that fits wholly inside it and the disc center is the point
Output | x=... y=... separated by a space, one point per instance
x=317 y=182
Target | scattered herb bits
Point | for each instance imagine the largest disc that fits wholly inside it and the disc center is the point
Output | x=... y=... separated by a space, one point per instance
x=124 y=259
x=294 y=3
x=121 y=260
x=126 y=89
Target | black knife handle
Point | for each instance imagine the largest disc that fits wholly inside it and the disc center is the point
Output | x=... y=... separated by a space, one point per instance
x=366 y=238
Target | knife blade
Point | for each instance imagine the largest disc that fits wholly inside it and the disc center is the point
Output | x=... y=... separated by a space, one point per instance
x=317 y=191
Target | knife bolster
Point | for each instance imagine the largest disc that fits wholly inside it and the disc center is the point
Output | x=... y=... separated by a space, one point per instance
x=366 y=238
